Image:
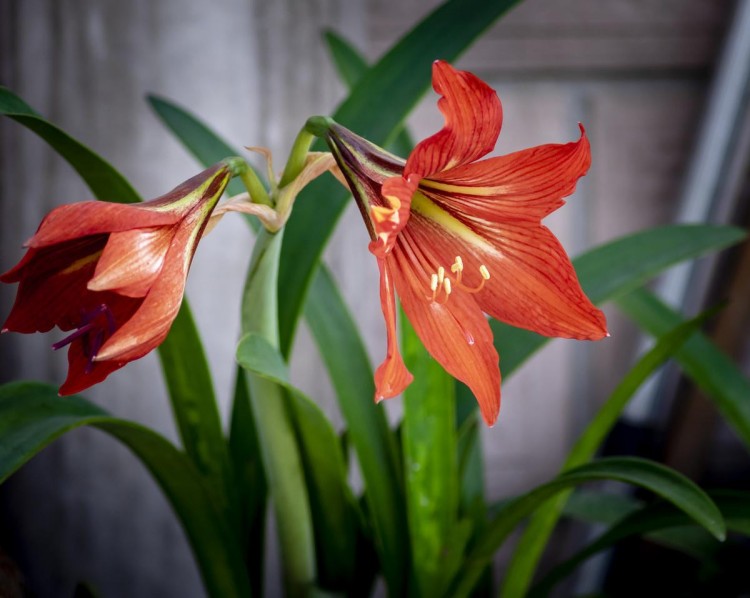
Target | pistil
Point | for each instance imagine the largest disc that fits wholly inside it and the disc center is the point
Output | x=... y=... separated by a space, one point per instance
x=92 y=332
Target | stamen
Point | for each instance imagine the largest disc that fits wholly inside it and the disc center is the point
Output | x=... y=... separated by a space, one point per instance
x=92 y=332
x=446 y=287
x=440 y=284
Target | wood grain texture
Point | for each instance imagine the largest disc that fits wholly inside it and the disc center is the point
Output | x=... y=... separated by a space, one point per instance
x=595 y=36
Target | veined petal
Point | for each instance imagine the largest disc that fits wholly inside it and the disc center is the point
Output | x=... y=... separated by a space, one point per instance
x=533 y=284
x=132 y=260
x=473 y=117
x=52 y=290
x=389 y=220
x=524 y=185
x=87 y=218
x=149 y=326
x=82 y=373
x=391 y=377
x=452 y=328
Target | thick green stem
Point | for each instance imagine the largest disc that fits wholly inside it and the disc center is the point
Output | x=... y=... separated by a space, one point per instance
x=297 y=157
x=279 y=448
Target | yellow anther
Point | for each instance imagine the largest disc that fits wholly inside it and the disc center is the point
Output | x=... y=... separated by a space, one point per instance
x=442 y=286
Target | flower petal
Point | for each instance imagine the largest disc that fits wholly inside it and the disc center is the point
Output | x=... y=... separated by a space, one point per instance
x=391 y=377
x=525 y=185
x=533 y=284
x=83 y=374
x=473 y=116
x=86 y=218
x=82 y=371
x=389 y=220
x=150 y=324
x=52 y=290
x=132 y=260
x=455 y=332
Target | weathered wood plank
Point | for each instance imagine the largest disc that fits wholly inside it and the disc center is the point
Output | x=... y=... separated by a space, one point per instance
x=601 y=35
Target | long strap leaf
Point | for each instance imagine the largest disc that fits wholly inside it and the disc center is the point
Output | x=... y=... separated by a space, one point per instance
x=665 y=482
x=530 y=547
x=32 y=416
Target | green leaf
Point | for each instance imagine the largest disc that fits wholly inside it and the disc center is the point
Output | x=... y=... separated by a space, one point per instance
x=186 y=371
x=700 y=359
x=348 y=366
x=251 y=482
x=659 y=522
x=32 y=416
x=323 y=461
x=600 y=507
x=428 y=433
x=530 y=547
x=665 y=482
x=195 y=409
x=351 y=67
x=105 y=182
x=207 y=147
x=375 y=109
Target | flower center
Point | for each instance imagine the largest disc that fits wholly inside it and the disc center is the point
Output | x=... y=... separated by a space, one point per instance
x=442 y=285
x=96 y=326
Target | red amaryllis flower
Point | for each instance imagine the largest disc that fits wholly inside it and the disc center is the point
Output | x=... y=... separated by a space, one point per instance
x=459 y=237
x=113 y=274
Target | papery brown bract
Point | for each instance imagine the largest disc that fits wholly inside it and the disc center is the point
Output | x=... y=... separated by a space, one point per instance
x=113 y=274
x=456 y=237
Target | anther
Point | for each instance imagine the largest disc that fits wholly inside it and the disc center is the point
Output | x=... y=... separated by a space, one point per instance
x=484 y=272
x=458 y=265
x=441 y=275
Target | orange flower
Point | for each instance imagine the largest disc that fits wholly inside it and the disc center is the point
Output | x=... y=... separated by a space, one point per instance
x=459 y=237
x=114 y=274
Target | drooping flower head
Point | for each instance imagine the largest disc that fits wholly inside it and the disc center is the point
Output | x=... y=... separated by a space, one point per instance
x=112 y=274
x=457 y=237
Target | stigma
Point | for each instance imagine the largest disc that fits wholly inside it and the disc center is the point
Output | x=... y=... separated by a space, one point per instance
x=442 y=284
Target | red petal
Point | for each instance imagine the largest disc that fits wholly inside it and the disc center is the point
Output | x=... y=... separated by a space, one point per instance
x=132 y=260
x=473 y=116
x=150 y=324
x=533 y=284
x=52 y=290
x=78 y=378
x=525 y=185
x=455 y=333
x=93 y=217
x=388 y=221
x=391 y=377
